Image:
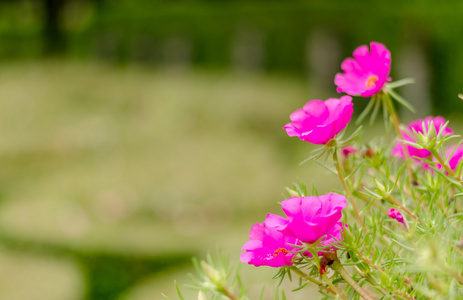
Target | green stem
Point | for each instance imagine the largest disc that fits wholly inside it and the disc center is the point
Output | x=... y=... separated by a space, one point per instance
x=345 y=275
x=332 y=286
x=331 y=290
x=228 y=294
x=344 y=185
x=395 y=122
x=307 y=277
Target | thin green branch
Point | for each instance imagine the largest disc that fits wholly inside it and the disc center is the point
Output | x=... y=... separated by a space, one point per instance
x=345 y=275
x=344 y=185
x=444 y=164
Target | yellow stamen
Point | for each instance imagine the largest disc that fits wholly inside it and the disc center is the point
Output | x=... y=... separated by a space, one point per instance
x=280 y=250
x=371 y=81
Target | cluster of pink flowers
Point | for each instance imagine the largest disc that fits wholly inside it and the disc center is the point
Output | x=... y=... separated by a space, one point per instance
x=316 y=219
x=365 y=74
x=320 y=121
x=309 y=219
x=312 y=219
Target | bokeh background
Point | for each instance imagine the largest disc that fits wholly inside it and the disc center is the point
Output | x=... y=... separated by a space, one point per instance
x=135 y=134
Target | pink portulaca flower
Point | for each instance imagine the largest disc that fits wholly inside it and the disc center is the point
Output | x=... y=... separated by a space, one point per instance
x=395 y=214
x=417 y=126
x=366 y=73
x=268 y=246
x=310 y=218
x=319 y=121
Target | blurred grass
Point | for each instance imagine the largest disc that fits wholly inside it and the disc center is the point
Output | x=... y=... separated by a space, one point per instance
x=136 y=163
x=29 y=277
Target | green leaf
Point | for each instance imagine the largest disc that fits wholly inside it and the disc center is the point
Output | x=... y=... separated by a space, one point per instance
x=326 y=167
x=276 y=296
x=365 y=112
x=353 y=172
x=375 y=112
x=385 y=115
x=262 y=293
x=300 y=287
x=401 y=100
x=399 y=83
x=402 y=245
x=350 y=139
x=178 y=291
x=314 y=156
x=455 y=215
x=283 y=295
x=367 y=207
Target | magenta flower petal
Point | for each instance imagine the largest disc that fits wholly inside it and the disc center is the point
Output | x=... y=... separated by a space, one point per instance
x=268 y=246
x=319 y=121
x=417 y=126
x=366 y=73
x=275 y=221
x=310 y=218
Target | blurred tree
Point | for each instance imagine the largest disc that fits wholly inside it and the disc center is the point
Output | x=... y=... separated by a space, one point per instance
x=53 y=31
x=55 y=41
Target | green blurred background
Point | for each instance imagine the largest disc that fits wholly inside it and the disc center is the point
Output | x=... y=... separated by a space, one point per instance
x=137 y=134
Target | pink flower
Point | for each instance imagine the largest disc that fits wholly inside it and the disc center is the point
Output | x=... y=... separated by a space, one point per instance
x=348 y=150
x=310 y=218
x=319 y=121
x=417 y=126
x=268 y=246
x=395 y=214
x=366 y=73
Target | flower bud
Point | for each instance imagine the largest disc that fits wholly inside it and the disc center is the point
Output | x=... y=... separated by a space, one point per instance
x=211 y=273
x=292 y=193
x=395 y=214
x=381 y=189
x=369 y=153
x=384 y=277
x=348 y=150
x=431 y=133
x=347 y=235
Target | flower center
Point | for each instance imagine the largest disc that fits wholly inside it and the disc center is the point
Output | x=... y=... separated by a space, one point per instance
x=279 y=250
x=371 y=81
